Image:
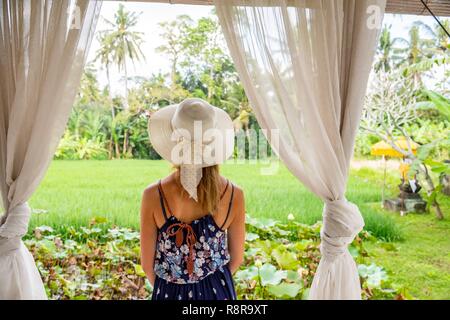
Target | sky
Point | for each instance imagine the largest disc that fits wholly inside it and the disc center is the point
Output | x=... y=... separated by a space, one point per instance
x=154 y=13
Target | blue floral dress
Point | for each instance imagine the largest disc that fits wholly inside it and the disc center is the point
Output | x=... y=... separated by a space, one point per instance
x=191 y=259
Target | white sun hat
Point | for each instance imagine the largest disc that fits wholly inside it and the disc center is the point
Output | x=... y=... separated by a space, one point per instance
x=192 y=135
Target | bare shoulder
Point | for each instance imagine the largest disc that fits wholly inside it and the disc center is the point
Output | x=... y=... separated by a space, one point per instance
x=238 y=207
x=150 y=194
x=238 y=193
x=238 y=200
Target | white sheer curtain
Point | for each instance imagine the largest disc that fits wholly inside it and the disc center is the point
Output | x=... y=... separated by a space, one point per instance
x=304 y=66
x=43 y=45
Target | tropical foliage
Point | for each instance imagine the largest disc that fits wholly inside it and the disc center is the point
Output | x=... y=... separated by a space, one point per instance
x=401 y=103
x=407 y=77
x=97 y=262
x=200 y=67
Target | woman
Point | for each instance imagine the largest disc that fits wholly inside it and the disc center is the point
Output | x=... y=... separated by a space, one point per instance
x=193 y=221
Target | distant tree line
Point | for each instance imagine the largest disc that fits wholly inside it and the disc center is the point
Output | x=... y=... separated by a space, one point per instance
x=107 y=125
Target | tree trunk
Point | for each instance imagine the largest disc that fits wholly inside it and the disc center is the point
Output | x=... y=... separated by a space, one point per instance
x=110 y=149
x=211 y=84
x=435 y=204
x=173 y=75
x=439 y=213
x=126 y=85
x=117 y=147
x=109 y=92
x=125 y=142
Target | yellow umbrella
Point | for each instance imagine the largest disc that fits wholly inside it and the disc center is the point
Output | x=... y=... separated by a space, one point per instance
x=384 y=149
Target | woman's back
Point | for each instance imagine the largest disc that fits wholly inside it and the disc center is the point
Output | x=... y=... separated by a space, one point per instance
x=194 y=250
x=199 y=247
x=185 y=209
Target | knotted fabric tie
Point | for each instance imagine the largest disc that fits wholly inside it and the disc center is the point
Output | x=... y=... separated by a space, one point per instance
x=13 y=226
x=177 y=230
x=337 y=275
x=342 y=221
x=15 y=222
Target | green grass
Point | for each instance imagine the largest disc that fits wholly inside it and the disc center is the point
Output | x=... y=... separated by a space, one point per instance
x=421 y=262
x=73 y=192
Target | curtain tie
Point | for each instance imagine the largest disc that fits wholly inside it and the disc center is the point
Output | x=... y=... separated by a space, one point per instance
x=15 y=222
x=342 y=221
x=9 y=245
x=177 y=230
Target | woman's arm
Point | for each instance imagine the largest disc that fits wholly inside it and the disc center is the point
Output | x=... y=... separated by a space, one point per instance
x=236 y=231
x=148 y=233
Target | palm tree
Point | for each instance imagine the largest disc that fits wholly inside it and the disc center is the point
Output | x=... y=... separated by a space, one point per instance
x=388 y=55
x=411 y=47
x=441 y=39
x=105 y=55
x=414 y=50
x=122 y=43
x=441 y=36
x=384 y=50
x=387 y=52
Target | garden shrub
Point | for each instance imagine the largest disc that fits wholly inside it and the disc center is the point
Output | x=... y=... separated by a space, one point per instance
x=97 y=262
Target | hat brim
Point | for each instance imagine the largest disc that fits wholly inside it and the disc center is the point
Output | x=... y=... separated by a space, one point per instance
x=160 y=131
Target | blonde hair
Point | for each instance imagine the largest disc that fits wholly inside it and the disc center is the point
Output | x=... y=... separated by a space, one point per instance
x=208 y=190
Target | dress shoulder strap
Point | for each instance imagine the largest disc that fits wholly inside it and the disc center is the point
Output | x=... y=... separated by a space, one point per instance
x=225 y=190
x=163 y=201
x=229 y=206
